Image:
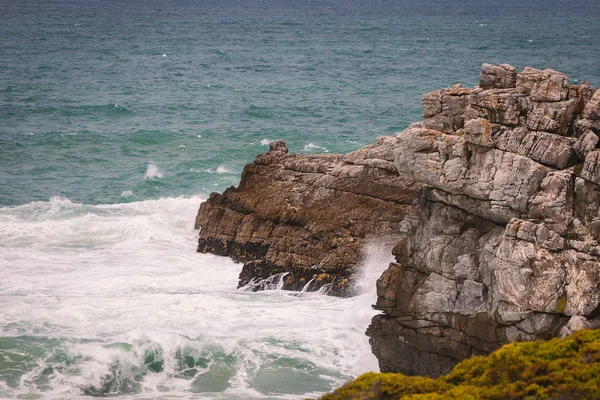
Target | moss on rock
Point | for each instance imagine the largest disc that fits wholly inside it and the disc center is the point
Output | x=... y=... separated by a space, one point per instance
x=567 y=368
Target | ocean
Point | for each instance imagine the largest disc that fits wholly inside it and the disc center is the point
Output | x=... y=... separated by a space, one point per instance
x=117 y=118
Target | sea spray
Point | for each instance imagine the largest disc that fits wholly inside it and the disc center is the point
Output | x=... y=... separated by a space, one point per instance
x=152 y=172
x=113 y=300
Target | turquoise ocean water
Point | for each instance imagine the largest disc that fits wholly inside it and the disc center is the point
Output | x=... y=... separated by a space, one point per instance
x=118 y=117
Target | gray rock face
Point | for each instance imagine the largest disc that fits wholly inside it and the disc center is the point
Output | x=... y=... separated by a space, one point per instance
x=502 y=244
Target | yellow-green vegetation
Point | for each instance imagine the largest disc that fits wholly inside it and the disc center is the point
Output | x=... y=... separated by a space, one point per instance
x=566 y=368
x=561 y=304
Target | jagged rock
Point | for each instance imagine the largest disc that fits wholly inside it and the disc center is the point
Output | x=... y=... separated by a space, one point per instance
x=546 y=148
x=546 y=85
x=550 y=85
x=446 y=162
x=527 y=79
x=552 y=117
x=495 y=220
x=504 y=237
x=581 y=125
x=592 y=109
x=443 y=110
x=583 y=93
x=591 y=167
x=502 y=76
x=553 y=203
x=502 y=106
x=278 y=146
x=479 y=131
x=306 y=216
x=585 y=143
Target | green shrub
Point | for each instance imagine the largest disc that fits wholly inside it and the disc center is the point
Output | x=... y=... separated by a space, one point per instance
x=566 y=368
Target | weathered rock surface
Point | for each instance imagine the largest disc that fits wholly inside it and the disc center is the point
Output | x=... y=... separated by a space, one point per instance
x=493 y=201
x=502 y=245
x=306 y=216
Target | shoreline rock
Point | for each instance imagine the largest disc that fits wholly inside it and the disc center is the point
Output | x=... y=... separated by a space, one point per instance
x=300 y=221
x=493 y=201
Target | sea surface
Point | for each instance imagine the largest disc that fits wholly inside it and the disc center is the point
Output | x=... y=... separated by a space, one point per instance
x=117 y=118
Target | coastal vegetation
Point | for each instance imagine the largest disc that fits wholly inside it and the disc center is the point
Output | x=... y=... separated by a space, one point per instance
x=567 y=368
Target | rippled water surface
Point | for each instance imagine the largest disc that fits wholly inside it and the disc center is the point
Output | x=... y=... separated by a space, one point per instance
x=118 y=117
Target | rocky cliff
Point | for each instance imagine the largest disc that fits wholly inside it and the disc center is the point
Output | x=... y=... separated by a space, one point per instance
x=493 y=201
x=502 y=245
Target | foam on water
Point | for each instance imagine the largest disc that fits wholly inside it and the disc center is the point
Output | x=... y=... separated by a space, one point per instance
x=114 y=300
x=313 y=147
x=153 y=172
x=221 y=169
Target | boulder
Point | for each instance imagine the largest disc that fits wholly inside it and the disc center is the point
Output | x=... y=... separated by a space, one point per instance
x=585 y=143
x=592 y=108
x=502 y=76
x=443 y=110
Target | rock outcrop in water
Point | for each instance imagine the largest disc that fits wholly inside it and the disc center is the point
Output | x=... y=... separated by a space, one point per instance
x=494 y=200
x=299 y=221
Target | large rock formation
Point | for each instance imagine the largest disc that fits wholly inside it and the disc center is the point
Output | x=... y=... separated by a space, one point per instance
x=493 y=201
x=299 y=221
x=503 y=243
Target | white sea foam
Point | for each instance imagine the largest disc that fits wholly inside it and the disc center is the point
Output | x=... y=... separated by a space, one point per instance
x=152 y=172
x=312 y=146
x=113 y=283
x=221 y=169
x=265 y=142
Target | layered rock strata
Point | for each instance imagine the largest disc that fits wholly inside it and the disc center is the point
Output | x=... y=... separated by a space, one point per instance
x=493 y=201
x=503 y=243
x=299 y=222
